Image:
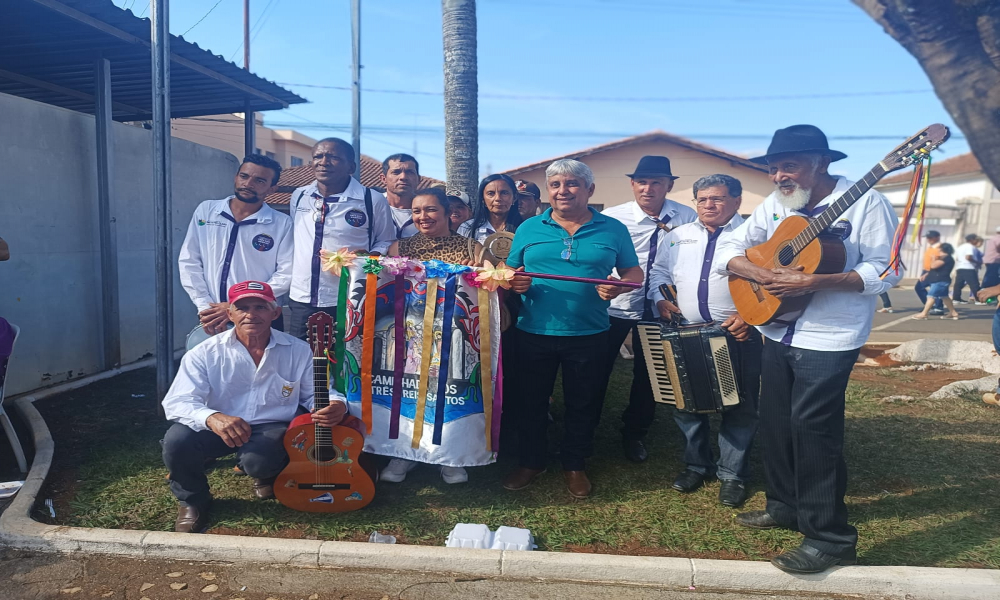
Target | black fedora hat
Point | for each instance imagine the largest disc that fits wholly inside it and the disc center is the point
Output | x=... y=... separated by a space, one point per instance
x=799 y=138
x=653 y=166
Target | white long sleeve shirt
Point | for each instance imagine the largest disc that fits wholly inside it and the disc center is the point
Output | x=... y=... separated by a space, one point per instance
x=402 y=221
x=344 y=226
x=218 y=252
x=480 y=234
x=833 y=320
x=218 y=375
x=641 y=227
x=687 y=262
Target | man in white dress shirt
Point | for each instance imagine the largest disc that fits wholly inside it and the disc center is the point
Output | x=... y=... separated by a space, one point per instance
x=331 y=213
x=649 y=218
x=703 y=296
x=400 y=176
x=807 y=358
x=237 y=392
x=237 y=239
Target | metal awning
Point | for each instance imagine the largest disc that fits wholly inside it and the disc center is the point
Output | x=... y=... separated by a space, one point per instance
x=48 y=49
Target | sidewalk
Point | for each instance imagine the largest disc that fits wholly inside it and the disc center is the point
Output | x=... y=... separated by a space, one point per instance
x=291 y=568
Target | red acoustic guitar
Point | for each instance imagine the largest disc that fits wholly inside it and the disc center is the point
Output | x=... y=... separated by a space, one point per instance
x=799 y=241
x=326 y=471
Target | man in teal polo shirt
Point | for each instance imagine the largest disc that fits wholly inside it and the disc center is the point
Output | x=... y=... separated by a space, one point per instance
x=564 y=323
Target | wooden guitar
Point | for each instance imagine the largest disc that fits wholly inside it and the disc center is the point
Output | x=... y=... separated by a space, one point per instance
x=799 y=241
x=326 y=471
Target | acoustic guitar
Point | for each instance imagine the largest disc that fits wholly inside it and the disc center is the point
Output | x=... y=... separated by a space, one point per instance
x=799 y=241
x=326 y=471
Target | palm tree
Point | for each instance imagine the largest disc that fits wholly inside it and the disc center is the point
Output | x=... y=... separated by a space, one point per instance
x=461 y=95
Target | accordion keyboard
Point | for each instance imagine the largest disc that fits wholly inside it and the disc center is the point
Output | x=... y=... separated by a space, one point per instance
x=656 y=362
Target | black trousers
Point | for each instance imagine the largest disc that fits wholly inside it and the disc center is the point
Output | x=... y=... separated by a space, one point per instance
x=638 y=415
x=965 y=277
x=802 y=431
x=299 y=313
x=584 y=371
x=185 y=452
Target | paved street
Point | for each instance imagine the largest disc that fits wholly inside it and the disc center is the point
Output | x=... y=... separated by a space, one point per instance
x=974 y=325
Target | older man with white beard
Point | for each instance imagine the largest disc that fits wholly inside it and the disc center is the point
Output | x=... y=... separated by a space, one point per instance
x=807 y=359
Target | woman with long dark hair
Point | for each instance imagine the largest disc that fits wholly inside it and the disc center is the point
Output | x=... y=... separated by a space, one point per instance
x=496 y=209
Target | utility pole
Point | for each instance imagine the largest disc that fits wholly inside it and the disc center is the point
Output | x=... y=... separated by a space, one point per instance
x=249 y=122
x=162 y=203
x=356 y=84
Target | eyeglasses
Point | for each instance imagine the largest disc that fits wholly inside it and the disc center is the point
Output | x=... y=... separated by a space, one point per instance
x=567 y=253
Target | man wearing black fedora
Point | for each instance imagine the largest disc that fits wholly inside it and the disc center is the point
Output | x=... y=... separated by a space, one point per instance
x=807 y=359
x=648 y=218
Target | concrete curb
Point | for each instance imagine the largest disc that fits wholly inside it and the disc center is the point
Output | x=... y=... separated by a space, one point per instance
x=18 y=530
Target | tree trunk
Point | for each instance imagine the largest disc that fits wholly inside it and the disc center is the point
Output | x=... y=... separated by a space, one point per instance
x=461 y=95
x=957 y=42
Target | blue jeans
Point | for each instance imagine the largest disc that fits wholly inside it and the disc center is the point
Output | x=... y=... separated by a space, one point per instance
x=802 y=430
x=921 y=289
x=186 y=450
x=992 y=275
x=739 y=424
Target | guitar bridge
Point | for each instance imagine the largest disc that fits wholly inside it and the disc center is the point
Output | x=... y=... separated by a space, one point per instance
x=324 y=486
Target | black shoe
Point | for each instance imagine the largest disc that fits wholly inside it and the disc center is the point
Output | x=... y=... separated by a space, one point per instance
x=688 y=481
x=732 y=493
x=806 y=559
x=635 y=450
x=759 y=519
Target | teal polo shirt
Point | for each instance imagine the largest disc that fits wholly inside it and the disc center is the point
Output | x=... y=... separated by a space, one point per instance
x=568 y=308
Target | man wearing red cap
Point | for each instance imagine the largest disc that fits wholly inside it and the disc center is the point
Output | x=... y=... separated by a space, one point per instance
x=237 y=391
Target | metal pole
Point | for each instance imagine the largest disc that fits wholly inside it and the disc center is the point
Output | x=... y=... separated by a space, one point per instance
x=356 y=84
x=110 y=324
x=160 y=46
x=249 y=121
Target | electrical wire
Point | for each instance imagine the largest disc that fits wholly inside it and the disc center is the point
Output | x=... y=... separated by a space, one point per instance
x=202 y=19
x=253 y=27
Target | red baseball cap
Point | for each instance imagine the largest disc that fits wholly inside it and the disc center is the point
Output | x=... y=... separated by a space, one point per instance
x=251 y=289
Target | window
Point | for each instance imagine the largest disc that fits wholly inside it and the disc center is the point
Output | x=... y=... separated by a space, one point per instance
x=256 y=151
x=269 y=155
x=296 y=161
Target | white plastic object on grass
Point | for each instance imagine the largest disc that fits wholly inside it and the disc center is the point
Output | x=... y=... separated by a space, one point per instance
x=9 y=488
x=477 y=535
x=378 y=538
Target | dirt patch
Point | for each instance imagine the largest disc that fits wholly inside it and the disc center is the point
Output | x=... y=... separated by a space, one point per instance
x=913 y=383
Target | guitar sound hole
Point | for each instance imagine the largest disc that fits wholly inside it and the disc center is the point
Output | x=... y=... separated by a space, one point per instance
x=323 y=454
x=785 y=256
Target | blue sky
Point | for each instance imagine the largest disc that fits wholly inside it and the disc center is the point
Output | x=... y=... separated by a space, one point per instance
x=722 y=63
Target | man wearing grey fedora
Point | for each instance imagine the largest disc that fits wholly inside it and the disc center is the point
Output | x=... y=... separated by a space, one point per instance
x=808 y=357
x=648 y=218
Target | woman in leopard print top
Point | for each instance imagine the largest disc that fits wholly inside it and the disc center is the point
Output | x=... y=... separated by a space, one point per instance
x=434 y=239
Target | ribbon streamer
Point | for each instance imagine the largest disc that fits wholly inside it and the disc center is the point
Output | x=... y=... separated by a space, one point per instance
x=399 y=331
x=339 y=344
x=498 y=396
x=430 y=305
x=485 y=366
x=368 y=345
x=445 y=356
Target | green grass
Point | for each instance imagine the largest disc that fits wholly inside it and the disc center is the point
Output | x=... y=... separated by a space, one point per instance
x=923 y=485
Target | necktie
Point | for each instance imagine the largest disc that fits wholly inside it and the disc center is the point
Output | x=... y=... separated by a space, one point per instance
x=646 y=303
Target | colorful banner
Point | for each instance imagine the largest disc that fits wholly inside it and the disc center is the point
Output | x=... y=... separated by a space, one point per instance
x=455 y=430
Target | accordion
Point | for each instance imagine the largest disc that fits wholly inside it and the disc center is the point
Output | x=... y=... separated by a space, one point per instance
x=690 y=366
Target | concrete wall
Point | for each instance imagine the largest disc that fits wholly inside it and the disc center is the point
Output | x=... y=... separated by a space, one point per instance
x=613 y=187
x=51 y=286
x=225 y=132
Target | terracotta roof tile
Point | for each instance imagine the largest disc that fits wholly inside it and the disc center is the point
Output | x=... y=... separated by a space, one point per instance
x=371 y=176
x=958 y=165
x=652 y=136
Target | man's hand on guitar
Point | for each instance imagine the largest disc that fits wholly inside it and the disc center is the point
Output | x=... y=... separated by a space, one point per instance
x=788 y=282
x=330 y=415
x=737 y=327
x=234 y=431
x=668 y=310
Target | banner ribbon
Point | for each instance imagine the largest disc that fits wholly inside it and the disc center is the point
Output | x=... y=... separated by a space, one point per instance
x=430 y=305
x=485 y=363
x=445 y=356
x=399 y=331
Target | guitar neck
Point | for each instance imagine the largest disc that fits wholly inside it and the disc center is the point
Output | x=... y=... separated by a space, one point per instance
x=321 y=397
x=832 y=212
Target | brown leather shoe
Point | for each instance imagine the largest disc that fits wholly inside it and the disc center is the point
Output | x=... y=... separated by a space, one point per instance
x=578 y=484
x=521 y=478
x=191 y=519
x=263 y=489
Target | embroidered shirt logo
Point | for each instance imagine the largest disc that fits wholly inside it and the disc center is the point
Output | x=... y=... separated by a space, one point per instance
x=263 y=242
x=841 y=229
x=286 y=391
x=355 y=218
x=775 y=216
